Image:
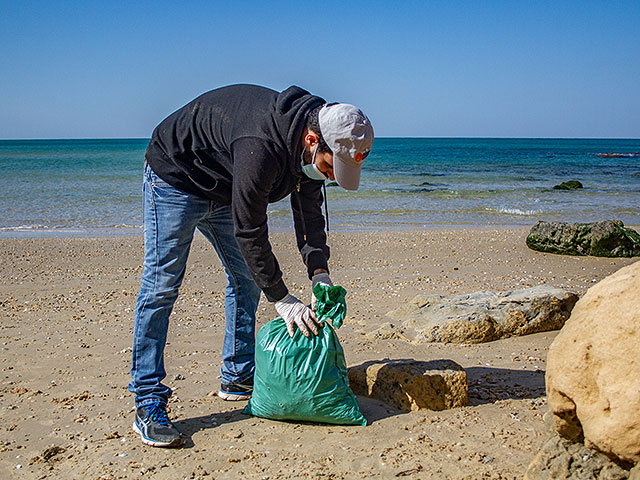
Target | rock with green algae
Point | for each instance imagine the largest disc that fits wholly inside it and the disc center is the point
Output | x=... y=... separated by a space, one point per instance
x=570 y=185
x=600 y=239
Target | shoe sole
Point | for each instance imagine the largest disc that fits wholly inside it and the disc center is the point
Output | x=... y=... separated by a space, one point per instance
x=153 y=443
x=233 y=397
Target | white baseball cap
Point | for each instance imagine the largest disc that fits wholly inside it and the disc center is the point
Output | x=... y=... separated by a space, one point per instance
x=349 y=135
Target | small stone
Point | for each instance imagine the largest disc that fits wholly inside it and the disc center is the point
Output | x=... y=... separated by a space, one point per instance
x=411 y=384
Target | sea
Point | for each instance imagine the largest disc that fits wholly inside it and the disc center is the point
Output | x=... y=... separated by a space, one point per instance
x=93 y=187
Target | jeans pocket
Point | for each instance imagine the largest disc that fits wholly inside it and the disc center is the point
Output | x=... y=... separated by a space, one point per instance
x=156 y=181
x=155 y=186
x=168 y=196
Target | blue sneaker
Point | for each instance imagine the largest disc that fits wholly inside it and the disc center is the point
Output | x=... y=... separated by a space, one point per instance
x=154 y=427
x=233 y=392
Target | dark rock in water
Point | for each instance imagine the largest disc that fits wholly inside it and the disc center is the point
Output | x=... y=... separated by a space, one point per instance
x=601 y=239
x=332 y=184
x=484 y=316
x=570 y=185
x=559 y=458
x=618 y=155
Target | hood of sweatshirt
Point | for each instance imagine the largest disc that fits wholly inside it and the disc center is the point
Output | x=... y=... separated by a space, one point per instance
x=291 y=110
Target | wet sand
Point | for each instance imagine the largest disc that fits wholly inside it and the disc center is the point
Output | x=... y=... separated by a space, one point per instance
x=65 y=347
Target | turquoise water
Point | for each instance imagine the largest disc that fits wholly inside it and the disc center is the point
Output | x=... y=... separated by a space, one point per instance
x=93 y=187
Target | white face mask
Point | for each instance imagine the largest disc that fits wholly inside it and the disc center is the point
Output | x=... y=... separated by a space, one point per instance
x=311 y=170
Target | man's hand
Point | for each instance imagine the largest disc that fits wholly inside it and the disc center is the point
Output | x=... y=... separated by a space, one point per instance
x=293 y=311
x=323 y=279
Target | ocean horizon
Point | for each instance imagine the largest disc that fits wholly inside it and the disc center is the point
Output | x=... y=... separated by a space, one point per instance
x=93 y=187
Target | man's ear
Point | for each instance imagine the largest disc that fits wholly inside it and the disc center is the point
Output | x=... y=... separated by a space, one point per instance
x=311 y=138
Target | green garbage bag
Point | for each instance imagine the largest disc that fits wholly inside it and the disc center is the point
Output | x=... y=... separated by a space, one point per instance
x=304 y=378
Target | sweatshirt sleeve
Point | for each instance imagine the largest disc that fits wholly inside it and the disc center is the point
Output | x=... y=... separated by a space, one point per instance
x=255 y=169
x=306 y=204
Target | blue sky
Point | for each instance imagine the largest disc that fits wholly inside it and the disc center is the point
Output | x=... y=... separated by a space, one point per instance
x=417 y=68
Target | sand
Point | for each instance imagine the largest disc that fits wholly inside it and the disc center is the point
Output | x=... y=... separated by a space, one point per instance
x=65 y=347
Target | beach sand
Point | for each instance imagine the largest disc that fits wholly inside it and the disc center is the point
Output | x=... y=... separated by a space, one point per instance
x=65 y=347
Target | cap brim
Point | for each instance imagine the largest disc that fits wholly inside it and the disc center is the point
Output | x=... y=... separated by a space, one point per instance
x=347 y=176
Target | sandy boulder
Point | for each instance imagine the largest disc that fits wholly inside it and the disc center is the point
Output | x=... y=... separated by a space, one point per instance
x=593 y=368
x=411 y=384
x=484 y=316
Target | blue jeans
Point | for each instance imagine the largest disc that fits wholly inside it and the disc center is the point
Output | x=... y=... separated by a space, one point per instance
x=170 y=218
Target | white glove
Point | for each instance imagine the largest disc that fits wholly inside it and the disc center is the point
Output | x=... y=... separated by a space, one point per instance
x=322 y=279
x=293 y=311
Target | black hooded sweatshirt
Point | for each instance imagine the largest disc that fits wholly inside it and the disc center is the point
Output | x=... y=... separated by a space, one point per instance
x=241 y=145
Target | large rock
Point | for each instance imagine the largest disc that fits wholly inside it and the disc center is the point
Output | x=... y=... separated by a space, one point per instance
x=600 y=239
x=484 y=316
x=561 y=459
x=410 y=384
x=593 y=368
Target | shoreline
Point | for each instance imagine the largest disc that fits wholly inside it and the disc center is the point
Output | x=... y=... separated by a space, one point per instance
x=65 y=351
x=7 y=233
